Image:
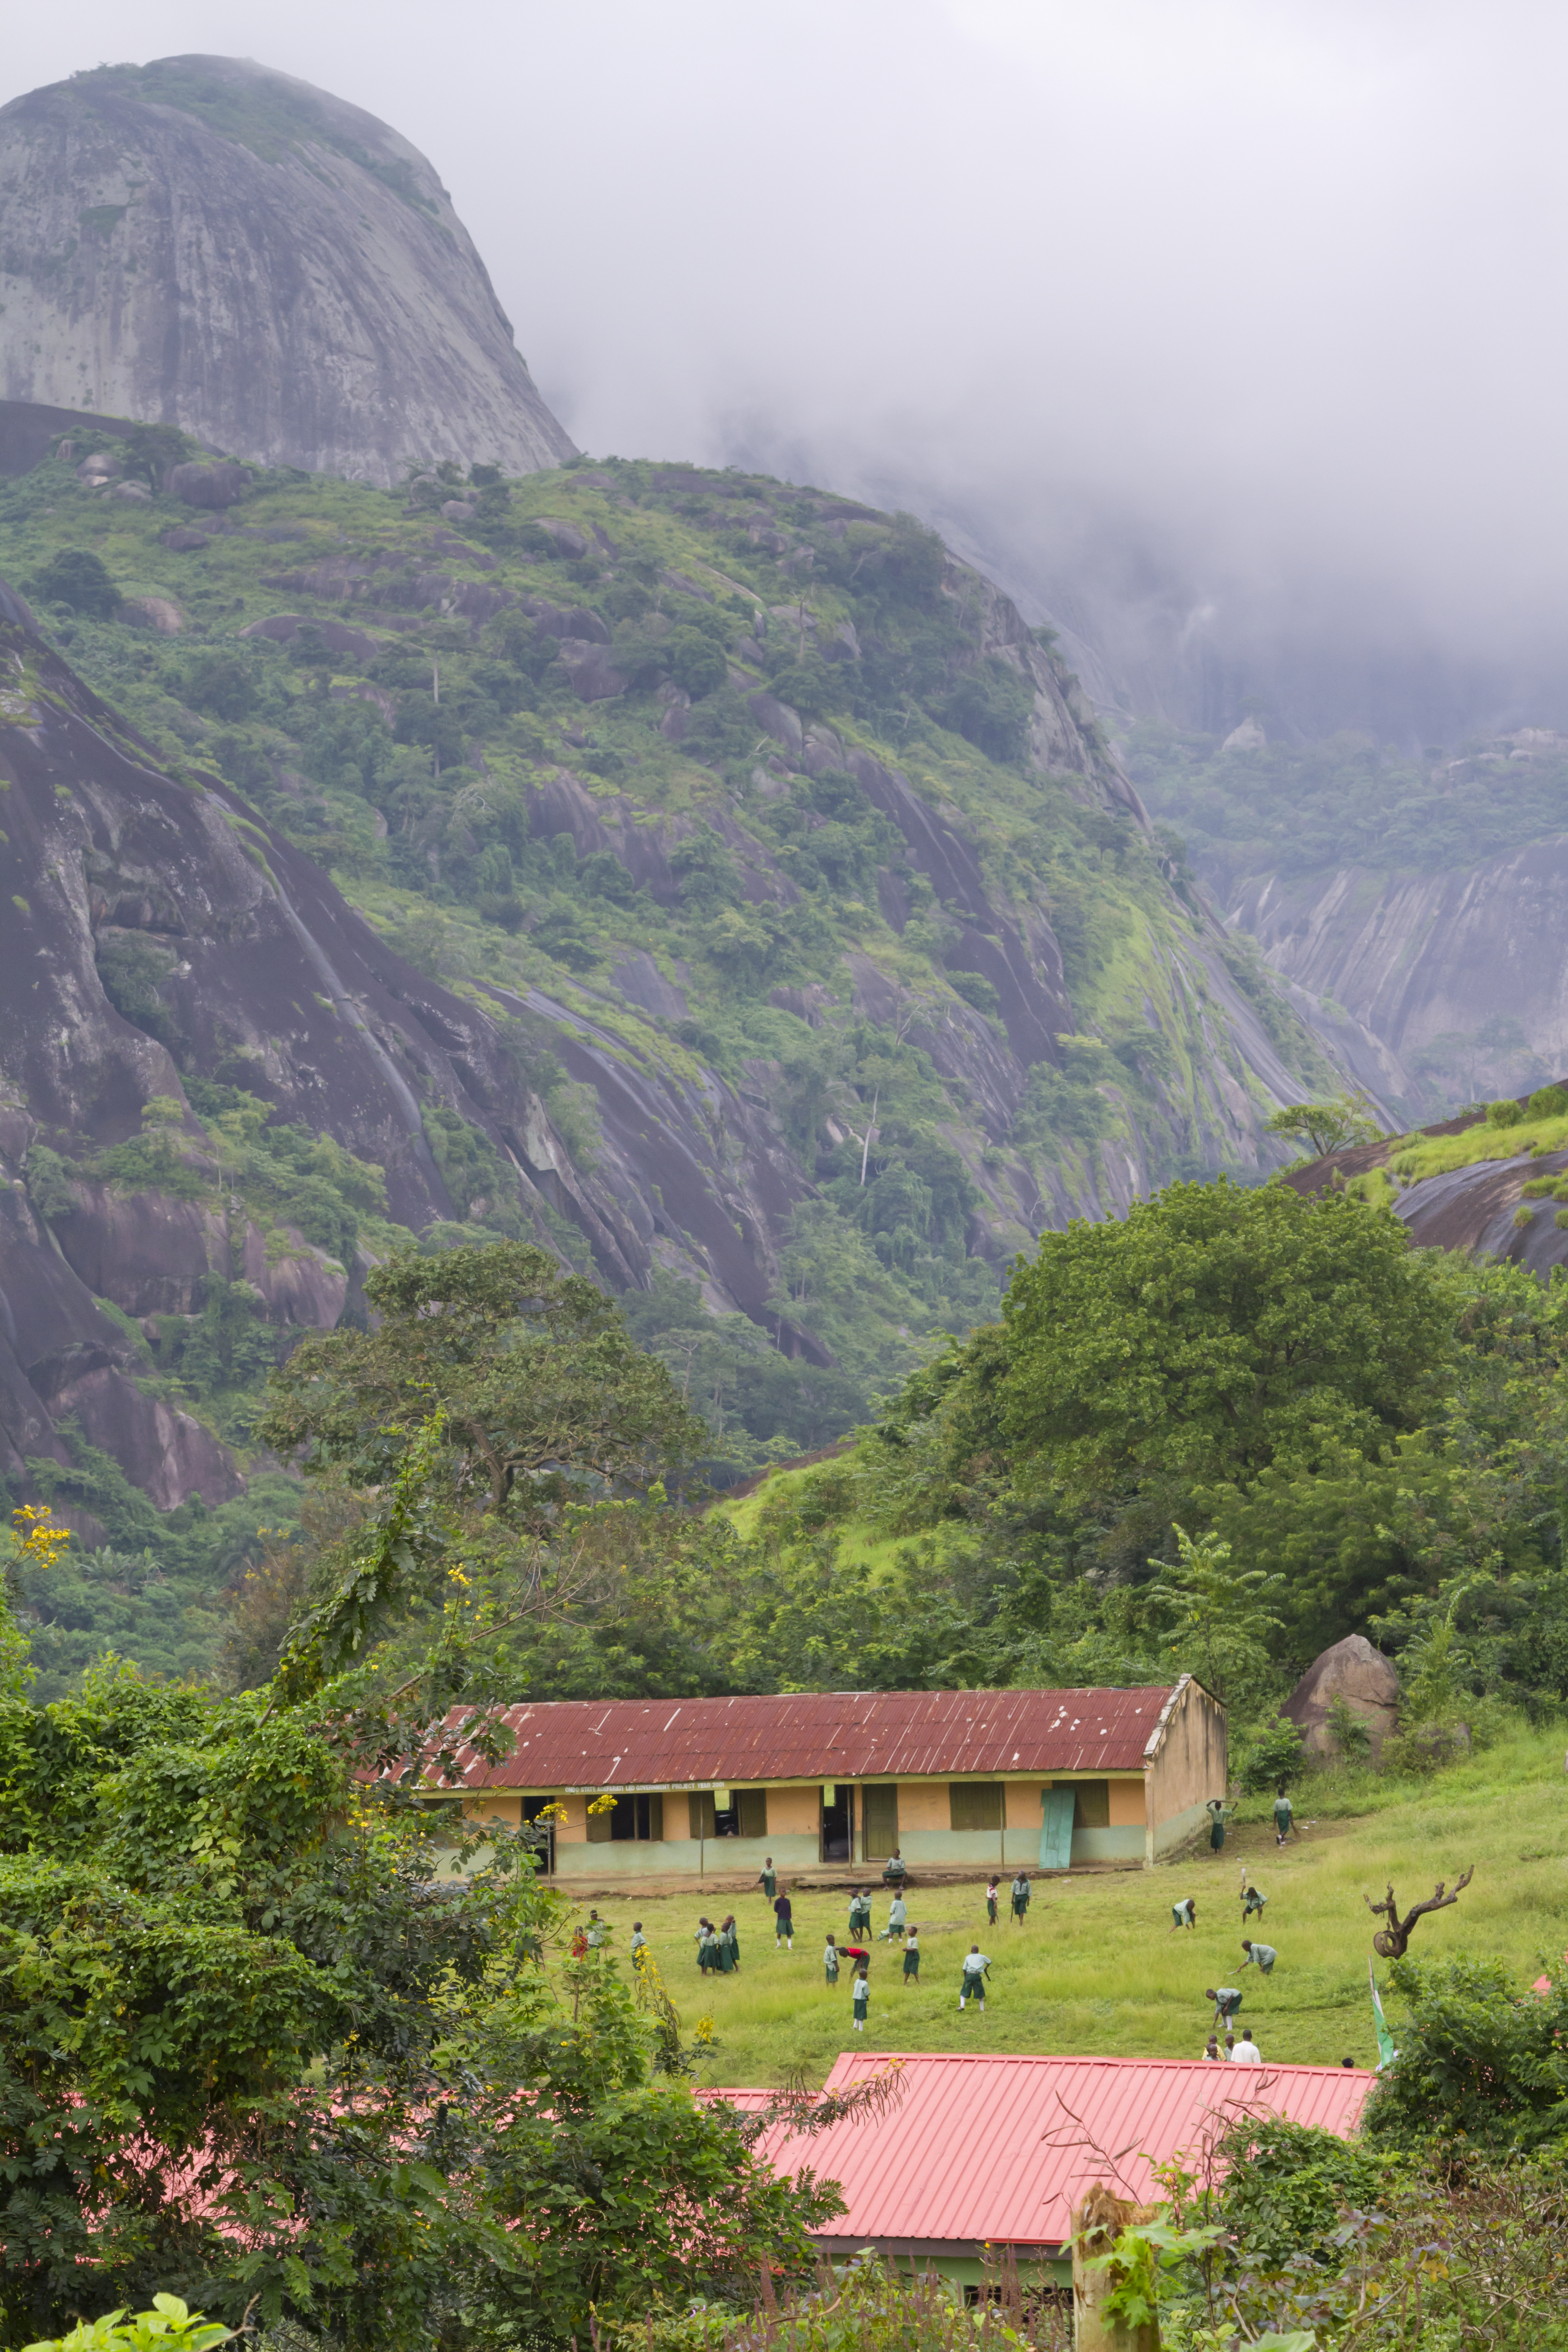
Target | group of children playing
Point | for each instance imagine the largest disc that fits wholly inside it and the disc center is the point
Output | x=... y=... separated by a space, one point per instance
x=718 y=1948
x=1226 y=1998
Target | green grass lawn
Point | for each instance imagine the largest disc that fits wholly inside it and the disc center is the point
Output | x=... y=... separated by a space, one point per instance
x=1098 y=1968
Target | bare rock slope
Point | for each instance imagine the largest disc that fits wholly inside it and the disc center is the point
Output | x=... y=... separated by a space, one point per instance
x=281 y=984
x=203 y=243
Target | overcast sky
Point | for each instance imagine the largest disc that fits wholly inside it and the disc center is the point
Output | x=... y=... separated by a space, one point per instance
x=1274 y=288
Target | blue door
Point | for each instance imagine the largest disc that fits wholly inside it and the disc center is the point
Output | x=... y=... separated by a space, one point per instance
x=1055 y=1831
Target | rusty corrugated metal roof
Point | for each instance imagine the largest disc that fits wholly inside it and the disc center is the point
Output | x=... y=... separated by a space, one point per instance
x=1000 y=2148
x=843 y=1736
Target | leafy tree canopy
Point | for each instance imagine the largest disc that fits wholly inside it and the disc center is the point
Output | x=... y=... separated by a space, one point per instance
x=542 y=1388
x=1214 y=1331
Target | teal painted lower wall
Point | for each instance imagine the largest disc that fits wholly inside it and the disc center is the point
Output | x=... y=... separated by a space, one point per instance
x=1123 y=1845
x=615 y=1859
x=684 y=1857
x=1179 y=1828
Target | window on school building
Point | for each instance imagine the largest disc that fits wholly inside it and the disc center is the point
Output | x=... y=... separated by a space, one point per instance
x=976 y=1805
x=703 y=1820
x=638 y=1817
x=881 y=1802
x=1091 y=1805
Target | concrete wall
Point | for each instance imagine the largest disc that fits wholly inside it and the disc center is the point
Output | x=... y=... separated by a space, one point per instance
x=672 y=1857
x=1190 y=1765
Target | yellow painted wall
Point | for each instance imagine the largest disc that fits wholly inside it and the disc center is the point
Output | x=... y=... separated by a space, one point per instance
x=496 y=1805
x=1024 y=1805
x=1127 y=1803
x=1189 y=1768
x=573 y=1830
x=796 y=1812
x=923 y=1805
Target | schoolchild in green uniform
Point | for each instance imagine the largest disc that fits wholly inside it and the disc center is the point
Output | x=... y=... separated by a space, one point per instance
x=859 y=1912
x=1184 y=1914
x=992 y=1891
x=767 y=1879
x=1284 y=1817
x=830 y=1963
x=861 y=1997
x=972 y=1979
x=1261 y=1957
x=729 y=1945
x=638 y=1945
x=1020 y=1898
x=706 y=1945
x=1226 y=2000
x=912 y=1957
x=897 y=1918
x=1253 y=1899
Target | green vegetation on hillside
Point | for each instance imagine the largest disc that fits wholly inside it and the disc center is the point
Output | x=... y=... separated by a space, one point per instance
x=1175 y=1453
x=417 y=725
x=1298 y=808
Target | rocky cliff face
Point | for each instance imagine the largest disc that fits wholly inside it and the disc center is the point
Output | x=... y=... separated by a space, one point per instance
x=275 y=981
x=1469 y=966
x=203 y=242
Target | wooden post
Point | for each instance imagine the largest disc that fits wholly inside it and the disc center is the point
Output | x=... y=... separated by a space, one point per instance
x=1097 y=2222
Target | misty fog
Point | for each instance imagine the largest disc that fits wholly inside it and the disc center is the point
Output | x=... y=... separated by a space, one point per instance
x=1229 y=335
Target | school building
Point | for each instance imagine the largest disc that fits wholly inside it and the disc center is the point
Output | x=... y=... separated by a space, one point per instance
x=985 y=2156
x=1033 y=1779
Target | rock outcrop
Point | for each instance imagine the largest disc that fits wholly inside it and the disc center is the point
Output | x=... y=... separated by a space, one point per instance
x=278 y=985
x=1351 y=1670
x=1481 y=1208
x=205 y=242
x=1416 y=958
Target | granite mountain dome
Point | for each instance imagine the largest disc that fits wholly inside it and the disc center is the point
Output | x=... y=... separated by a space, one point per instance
x=205 y=242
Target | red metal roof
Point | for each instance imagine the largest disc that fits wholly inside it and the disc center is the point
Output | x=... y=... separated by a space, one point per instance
x=1000 y=2148
x=843 y=1735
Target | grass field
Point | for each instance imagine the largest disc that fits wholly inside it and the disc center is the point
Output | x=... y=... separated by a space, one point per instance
x=1098 y=1968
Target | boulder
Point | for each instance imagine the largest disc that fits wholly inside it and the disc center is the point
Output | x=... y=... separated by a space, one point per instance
x=594 y=677
x=137 y=492
x=1351 y=1670
x=207 y=486
x=154 y=613
x=567 y=537
x=102 y=469
x=185 y=543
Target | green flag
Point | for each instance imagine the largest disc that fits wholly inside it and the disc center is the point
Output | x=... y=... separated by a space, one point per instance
x=1386 y=2052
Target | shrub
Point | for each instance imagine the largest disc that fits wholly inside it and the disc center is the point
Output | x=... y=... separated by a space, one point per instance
x=1347 y=1730
x=1506 y=1113
x=697 y=662
x=1480 y=2059
x=1286 y=2185
x=76 y=578
x=132 y=969
x=976 y=991
x=1549 y=1102
x=1271 y=1756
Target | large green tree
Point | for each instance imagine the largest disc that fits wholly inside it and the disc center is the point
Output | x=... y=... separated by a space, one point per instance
x=543 y=1392
x=1216 y=1331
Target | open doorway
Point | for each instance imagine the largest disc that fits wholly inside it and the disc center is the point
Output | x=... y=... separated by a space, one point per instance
x=838 y=1824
